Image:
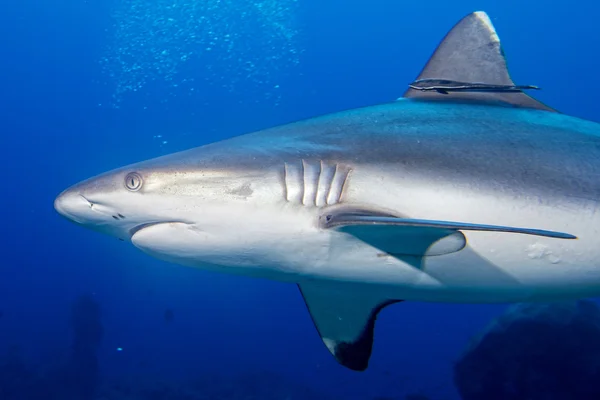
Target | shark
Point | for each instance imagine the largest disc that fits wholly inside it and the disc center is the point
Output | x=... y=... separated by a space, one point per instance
x=465 y=189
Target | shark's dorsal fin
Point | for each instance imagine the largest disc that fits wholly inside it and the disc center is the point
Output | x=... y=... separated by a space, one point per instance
x=344 y=315
x=471 y=53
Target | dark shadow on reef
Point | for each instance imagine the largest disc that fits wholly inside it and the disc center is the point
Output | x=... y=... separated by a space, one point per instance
x=535 y=352
x=248 y=386
x=531 y=352
x=82 y=374
x=76 y=380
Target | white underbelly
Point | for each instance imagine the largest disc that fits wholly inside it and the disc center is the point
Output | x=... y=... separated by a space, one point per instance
x=492 y=268
x=282 y=242
x=495 y=266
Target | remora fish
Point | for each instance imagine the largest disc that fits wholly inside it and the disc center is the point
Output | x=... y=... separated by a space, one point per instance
x=464 y=190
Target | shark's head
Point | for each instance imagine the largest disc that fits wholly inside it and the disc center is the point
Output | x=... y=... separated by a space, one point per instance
x=118 y=203
x=204 y=206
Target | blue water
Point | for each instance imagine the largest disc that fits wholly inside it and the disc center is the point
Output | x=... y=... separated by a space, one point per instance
x=68 y=111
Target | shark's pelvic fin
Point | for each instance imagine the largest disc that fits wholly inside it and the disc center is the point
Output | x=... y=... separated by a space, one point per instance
x=471 y=54
x=344 y=315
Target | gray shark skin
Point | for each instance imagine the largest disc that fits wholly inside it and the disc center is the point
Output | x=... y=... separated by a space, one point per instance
x=464 y=190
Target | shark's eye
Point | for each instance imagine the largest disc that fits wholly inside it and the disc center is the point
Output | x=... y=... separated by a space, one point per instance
x=133 y=181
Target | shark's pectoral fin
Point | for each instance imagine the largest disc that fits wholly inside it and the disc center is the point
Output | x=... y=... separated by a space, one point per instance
x=344 y=315
x=469 y=65
x=415 y=237
x=408 y=240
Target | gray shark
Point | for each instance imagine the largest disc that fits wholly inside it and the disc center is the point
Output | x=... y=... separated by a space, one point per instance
x=465 y=189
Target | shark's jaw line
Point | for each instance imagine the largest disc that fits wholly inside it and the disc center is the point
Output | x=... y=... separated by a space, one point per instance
x=145 y=225
x=465 y=190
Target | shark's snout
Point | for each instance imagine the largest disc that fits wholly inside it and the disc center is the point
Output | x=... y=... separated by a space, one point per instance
x=71 y=205
x=92 y=214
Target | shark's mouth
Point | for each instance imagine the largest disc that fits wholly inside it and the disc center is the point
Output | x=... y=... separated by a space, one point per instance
x=139 y=227
x=171 y=241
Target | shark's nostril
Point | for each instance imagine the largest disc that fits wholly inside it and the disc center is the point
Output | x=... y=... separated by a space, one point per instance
x=89 y=202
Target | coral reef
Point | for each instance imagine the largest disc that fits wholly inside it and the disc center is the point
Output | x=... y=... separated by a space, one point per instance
x=535 y=351
x=248 y=386
x=79 y=377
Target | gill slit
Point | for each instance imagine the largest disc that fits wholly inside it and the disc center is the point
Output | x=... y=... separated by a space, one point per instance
x=314 y=183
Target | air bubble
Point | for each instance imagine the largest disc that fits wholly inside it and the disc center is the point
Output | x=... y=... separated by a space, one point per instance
x=250 y=41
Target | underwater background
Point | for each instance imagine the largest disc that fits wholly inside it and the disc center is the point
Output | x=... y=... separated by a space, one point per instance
x=91 y=85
